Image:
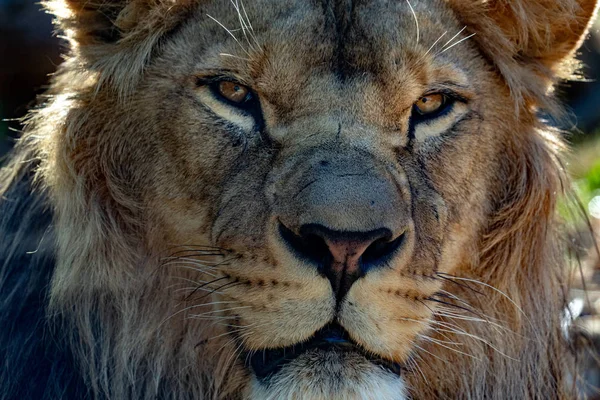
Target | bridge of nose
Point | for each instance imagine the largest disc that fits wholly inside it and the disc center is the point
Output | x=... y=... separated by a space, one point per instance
x=347 y=191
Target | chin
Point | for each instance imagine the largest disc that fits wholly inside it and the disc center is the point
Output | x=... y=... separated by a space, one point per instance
x=327 y=366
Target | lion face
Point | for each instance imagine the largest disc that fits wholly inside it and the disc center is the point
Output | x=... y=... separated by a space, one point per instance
x=313 y=172
x=340 y=174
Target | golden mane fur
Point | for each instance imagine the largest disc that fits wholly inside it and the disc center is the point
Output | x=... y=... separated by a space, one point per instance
x=123 y=217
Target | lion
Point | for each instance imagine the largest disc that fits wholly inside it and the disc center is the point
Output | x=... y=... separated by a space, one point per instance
x=292 y=200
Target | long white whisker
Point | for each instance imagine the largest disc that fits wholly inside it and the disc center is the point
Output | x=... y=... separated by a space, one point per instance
x=457 y=43
x=480 y=339
x=493 y=288
x=415 y=365
x=431 y=354
x=449 y=348
x=448 y=342
x=249 y=25
x=412 y=10
x=214 y=317
x=433 y=45
x=183 y=266
x=231 y=55
x=188 y=261
x=453 y=37
x=229 y=32
x=216 y=311
x=196 y=306
x=242 y=23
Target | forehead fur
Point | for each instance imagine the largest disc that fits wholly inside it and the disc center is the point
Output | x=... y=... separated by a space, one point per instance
x=531 y=43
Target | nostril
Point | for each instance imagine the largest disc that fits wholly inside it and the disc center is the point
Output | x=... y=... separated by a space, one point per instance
x=381 y=250
x=321 y=246
x=308 y=246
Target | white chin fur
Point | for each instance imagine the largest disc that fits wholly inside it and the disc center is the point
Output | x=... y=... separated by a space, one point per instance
x=327 y=375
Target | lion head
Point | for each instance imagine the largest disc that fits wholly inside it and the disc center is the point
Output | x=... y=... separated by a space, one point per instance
x=308 y=199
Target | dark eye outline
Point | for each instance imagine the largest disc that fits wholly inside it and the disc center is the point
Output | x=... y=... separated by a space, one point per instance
x=214 y=87
x=445 y=108
x=450 y=98
x=250 y=105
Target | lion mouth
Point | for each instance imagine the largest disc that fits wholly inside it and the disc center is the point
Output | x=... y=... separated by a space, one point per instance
x=331 y=338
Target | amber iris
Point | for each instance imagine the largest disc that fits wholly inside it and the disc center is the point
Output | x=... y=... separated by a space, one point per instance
x=234 y=92
x=430 y=104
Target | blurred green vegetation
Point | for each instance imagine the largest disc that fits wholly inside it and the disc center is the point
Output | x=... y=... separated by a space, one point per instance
x=584 y=167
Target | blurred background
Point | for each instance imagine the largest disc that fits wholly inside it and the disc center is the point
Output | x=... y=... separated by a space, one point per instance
x=30 y=52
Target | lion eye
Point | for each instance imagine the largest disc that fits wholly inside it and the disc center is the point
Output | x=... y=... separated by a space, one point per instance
x=431 y=104
x=234 y=92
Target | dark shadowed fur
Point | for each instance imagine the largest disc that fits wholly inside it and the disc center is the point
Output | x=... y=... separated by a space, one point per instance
x=37 y=362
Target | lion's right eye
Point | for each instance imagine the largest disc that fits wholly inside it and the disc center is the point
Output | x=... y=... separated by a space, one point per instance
x=230 y=100
x=234 y=92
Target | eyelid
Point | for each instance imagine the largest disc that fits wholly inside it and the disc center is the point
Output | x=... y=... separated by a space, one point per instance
x=451 y=94
x=452 y=90
x=211 y=76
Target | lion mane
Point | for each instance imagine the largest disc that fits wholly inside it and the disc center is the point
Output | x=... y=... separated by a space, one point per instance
x=85 y=302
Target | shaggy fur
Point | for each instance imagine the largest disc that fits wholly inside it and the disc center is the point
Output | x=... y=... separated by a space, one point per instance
x=139 y=256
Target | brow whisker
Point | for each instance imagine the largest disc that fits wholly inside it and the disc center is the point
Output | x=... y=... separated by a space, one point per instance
x=412 y=10
x=457 y=43
x=229 y=32
x=454 y=37
x=233 y=56
x=434 y=43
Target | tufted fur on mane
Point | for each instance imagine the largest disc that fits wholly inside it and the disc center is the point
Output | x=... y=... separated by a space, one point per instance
x=116 y=38
x=80 y=287
x=532 y=43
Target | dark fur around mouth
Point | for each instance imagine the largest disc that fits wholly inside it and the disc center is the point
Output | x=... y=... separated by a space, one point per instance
x=269 y=362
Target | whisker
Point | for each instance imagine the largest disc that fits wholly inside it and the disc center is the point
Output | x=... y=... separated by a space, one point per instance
x=431 y=354
x=436 y=42
x=450 y=348
x=217 y=311
x=197 y=270
x=412 y=10
x=415 y=365
x=447 y=342
x=229 y=32
x=250 y=25
x=220 y=288
x=214 y=317
x=206 y=284
x=231 y=55
x=491 y=287
x=192 y=288
x=228 y=332
x=481 y=340
x=195 y=306
x=458 y=283
x=457 y=43
x=451 y=305
x=454 y=37
x=191 y=259
x=242 y=24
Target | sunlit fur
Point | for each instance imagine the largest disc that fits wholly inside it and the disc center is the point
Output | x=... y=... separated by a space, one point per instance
x=161 y=265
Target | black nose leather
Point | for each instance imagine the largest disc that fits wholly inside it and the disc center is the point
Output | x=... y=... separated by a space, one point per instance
x=343 y=257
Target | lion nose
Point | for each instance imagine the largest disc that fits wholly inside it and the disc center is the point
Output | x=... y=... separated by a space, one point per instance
x=343 y=257
x=342 y=211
